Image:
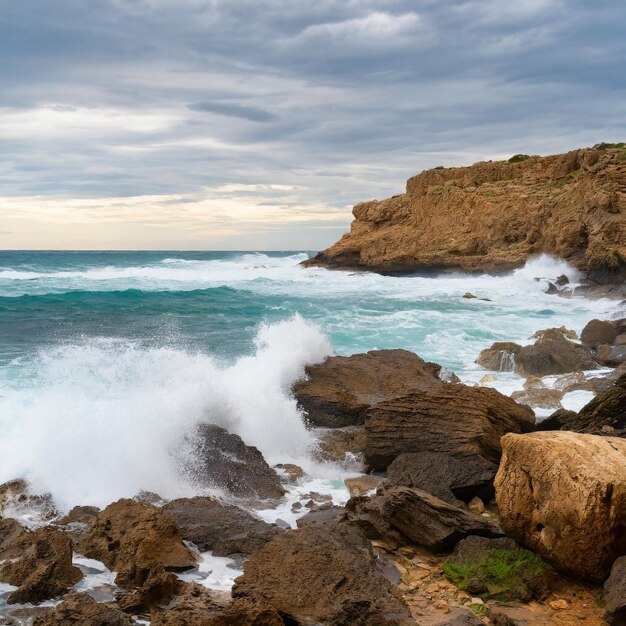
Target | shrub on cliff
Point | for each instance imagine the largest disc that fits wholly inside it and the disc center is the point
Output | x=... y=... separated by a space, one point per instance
x=518 y=157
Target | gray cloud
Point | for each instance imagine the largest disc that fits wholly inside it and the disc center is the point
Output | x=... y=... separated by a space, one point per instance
x=342 y=99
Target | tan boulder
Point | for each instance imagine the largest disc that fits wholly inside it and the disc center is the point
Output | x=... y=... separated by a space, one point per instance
x=563 y=495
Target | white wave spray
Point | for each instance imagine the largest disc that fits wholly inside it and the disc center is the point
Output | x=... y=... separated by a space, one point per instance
x=103 y=420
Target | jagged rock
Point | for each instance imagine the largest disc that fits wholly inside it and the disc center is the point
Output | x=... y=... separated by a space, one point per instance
x=16 y=495
x=80 y=609
x=606 y=410
x=76 y=522
x=450 y=478
x=221 y=459
x=222 y=528
x=43 y=568
x=158 y=589
x=615 y=593
x=134 y=539
x=342 y=445
x=539 y=397
x=293 y=473
x=500 y=357
x=417 y=517
x=322 y=573
x=562 y=495
x=198 y=606
x=11 y=532
x=496 y=215
x=526 y=577
x=460 y=421
x=361 y=485
x=557 y=334
x=574 y=381
x=339 y=391
x=597 y=332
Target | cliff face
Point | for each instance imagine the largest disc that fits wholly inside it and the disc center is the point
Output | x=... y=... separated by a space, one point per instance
x=494 y=216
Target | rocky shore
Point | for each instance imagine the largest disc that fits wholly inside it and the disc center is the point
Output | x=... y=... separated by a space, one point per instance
x=493 y=216
x=467 y=509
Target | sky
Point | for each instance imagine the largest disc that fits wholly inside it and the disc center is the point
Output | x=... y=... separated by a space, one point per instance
x=258 y=124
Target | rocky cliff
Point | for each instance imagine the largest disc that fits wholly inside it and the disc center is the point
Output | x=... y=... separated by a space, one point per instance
x=493 y=216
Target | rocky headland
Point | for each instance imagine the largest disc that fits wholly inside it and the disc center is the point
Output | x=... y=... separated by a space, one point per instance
x=494 y=216
x=467 y=510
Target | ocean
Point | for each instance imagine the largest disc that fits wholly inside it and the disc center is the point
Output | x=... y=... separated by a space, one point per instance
x=107 y=359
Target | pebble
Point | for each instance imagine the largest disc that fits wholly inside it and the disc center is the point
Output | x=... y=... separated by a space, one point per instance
x=559 y=605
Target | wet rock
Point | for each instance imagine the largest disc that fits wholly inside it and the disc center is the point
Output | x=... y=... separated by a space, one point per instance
x=451 y=478
x=607 y=409
x=223 y=460
x=615 y=357
x=133 y=539
x=342 y=445
x=562 y=494
x=339 y=391
x=500 y=567
x=460 y=421
x=615 y=593
x=322 y=573
x=573 y=381
x=80 y=609
x=361 y=485
x=597 y=332
x=16 y=498
x=500 y=357
x=293 y=473
x=476 y=505
x=43 y=568
x=557 y=334
x=539 y=397
x=562 y=280
x=418 y=517
x=198 y=606
x=149 y=497
x=158 y=589
x=11 y=532
x=76 y=522
x=222 y=528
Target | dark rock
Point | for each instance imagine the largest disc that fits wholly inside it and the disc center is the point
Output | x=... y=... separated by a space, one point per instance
x=43 y=569
x=158 y=589
x=557 y=421
x=548 y=357
x=597 y=332
x=615 y=593
x=80 y=609
x=322 y=574
x=330 y=515
x=223 y=460
x=134 y=539
x=222 y=528
x=339 y=391
x=562 y=280
x=11 y=532
x=539 y=397
x=452 y=479
x=460 y=421
x=418 y=517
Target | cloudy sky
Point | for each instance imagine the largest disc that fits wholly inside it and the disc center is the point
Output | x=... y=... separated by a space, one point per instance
x=257 y=124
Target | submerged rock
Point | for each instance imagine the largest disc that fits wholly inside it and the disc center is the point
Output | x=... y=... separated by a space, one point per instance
x=563 y=495
x=80 y=609
x=43 y=568
x=322 y=573
x=339 y=391
x=134 y=539
x=455 y=420
x=539 y=397
x=415 y=516
x=222 y=528
x=221 y=459
x=361 y=485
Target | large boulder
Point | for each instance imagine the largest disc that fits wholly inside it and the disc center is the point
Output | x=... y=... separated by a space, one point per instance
x=406 y=515
x=603 y=415
x=222 y=528
x=615 y=593
x=563 y=495
x=223 y=460
x=456 y=420
x=134 y=539
x=43 y=568
x=322 y=573
x=339 y=391
x=80 y=609
x=448 y=477
x=598 y=332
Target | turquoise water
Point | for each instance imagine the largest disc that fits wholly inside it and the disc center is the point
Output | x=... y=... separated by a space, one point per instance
x=107 y=359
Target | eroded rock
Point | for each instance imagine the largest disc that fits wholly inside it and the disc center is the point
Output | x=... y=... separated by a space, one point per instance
x=134 y=539
x=322 y=573
x=615 y=593
x=563 y=495
x=338 y=392
x=80 y=609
